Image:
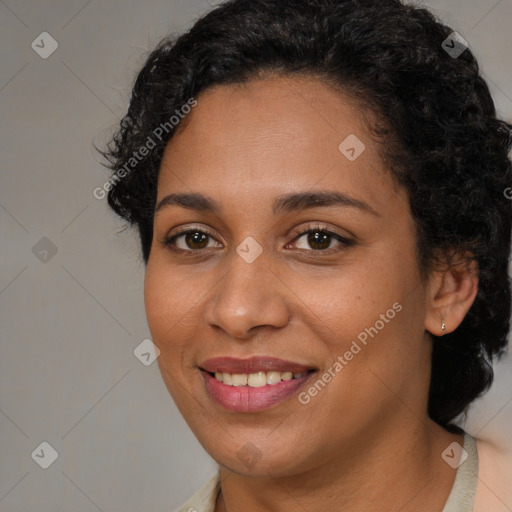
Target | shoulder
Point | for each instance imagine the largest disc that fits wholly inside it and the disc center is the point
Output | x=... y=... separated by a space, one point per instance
x=204 y=499
x=494 y=488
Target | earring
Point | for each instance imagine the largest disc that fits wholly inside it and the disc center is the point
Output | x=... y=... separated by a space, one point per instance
x=443 y=326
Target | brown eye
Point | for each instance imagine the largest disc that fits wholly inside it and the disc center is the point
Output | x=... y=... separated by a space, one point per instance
x=191 y=240
x=196 y=240
x=319 y=240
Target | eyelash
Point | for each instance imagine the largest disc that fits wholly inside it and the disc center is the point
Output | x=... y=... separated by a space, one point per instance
x=343 y=242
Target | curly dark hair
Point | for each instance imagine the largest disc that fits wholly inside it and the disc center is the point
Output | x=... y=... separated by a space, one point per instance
x=437 y=126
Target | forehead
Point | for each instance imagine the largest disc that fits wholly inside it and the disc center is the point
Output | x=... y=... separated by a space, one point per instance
x=268 y=136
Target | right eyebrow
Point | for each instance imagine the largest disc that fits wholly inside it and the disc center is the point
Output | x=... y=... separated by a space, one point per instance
x=190 y=201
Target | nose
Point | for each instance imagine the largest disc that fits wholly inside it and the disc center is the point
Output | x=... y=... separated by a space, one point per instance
x=249 y=296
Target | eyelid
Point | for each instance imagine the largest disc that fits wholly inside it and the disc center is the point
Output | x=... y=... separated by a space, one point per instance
x=190 y=228
x=171 y=237
x=344 y=241
x=316 y=226
x=296 y=233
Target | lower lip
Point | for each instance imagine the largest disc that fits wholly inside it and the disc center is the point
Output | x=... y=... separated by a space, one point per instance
x=248 y=399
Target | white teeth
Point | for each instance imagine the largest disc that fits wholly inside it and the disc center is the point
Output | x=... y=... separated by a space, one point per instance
x=255 y=380
x=273 y=377
x=239 y=379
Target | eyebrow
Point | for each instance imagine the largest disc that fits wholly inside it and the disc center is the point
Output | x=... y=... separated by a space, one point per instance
x=283 y=204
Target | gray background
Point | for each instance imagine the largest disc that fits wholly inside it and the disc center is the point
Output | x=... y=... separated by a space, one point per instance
x=70 y=324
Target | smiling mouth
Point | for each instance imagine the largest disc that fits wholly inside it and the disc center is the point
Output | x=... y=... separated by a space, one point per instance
x=253 y=384
x=247 y=393
x=256 y=380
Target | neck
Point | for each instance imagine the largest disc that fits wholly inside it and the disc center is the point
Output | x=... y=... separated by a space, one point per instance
x=400 y=467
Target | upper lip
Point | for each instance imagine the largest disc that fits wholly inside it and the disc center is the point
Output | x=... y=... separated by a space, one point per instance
x=252 y=364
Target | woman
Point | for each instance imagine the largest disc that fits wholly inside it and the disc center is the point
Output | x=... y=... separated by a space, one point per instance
x=319 y=191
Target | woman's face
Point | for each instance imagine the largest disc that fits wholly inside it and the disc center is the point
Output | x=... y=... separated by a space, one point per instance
x=248 y=291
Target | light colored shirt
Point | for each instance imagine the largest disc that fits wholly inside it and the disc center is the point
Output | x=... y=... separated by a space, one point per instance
x=461 y=498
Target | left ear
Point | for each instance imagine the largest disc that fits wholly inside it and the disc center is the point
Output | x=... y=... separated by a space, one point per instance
x=452 y=292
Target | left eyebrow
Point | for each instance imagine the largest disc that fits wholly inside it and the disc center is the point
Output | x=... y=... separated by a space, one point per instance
x=305 y=200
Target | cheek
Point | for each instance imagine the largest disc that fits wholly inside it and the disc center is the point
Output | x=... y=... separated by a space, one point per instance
x=168 y=312
x=380 y=326
x=157 y=303
x=349 y=298
x=375 y=299
x=169 y=305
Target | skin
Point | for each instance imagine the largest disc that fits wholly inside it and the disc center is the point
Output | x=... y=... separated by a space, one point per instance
x=365 y=442
x=493 y=491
